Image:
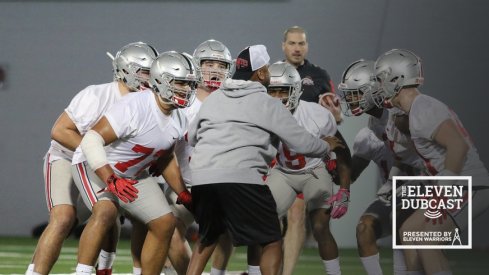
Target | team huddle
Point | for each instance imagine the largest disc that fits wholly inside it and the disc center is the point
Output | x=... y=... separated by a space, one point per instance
x=245 y=149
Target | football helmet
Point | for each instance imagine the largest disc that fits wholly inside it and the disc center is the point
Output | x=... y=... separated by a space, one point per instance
x=357 y=84
x=174 y=77
x=132 y=63
x=213 y=50
x=285 y=76
x=394 y=70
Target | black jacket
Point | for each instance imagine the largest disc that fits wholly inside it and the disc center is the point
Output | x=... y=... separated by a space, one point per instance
x=315 y=81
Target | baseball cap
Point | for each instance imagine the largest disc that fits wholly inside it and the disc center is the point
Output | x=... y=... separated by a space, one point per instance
x=249 y=60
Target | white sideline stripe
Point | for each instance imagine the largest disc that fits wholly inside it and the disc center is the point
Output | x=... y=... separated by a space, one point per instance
x=11 y=254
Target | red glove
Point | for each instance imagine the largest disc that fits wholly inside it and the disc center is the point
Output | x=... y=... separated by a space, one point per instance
x=331 y=166
x=122 y=188
x=339 y=203
x=185 y=198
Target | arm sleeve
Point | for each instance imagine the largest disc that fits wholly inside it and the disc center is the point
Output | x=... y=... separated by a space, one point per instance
x=92 y=146
x=281 y=122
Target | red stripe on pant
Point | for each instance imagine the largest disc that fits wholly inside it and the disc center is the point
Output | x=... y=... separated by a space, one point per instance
x=47 y=182
x=87 y=187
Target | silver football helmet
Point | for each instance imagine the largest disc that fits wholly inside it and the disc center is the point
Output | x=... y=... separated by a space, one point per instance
x=132 y=63
x=394 y=70
x=285 y=76
x=357 y=85
x=174 y=77
x=213 y=50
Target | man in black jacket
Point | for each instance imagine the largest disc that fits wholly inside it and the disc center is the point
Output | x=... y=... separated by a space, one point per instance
x=315 y=80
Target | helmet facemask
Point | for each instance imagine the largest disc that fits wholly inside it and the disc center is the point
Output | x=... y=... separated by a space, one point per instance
x=357 y=86
x=354 y=100
x=282 y=93
x=214 y=73
x=285 y=77
x=212 y=51
x=174 y=78
x=132 y=64
x=389 y=87
x=136 y=77
x=183 y=92
x=395 y=70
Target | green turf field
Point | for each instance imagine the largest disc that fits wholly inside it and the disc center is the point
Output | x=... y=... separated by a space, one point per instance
x=15 y=254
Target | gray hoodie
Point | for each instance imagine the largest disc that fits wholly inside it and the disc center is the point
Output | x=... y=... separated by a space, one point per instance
x=233 y=132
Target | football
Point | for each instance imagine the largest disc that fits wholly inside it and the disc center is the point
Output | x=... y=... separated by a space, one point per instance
x=329 y=98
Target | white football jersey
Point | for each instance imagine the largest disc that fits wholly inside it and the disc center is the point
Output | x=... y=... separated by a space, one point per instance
x=425 y=116
x=85 y=109
x=368 y=146
x=318 y=121
x=377 y=125
x=183 y=150
x=401 y=145
x=144 y=133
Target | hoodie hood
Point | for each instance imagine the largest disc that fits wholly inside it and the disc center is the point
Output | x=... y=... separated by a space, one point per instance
x=240 y=88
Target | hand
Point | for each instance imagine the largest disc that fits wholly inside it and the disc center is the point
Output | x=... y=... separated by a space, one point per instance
x=385 y=192
x=122 y=188
x=339 y=203
x=331 y=102
x=155 y=169
x=185 y=198
x=334 y=143
x=157 y=166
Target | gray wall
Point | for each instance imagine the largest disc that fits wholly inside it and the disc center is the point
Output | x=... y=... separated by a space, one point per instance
x=53 y=49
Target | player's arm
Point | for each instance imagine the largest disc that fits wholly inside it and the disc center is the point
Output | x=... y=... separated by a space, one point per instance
x=343 y=157
x=340 y=200
x=65 y=132
x=171 y=173
x=358 y=165
x=448 y=136
x=331 y=102
x=281 y=123
x=92 y=146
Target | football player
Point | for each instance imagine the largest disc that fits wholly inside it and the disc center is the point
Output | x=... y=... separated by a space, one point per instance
x=382 y=143
x=441 y=141
x=214 y=60
x=294 y=173
x=136 y=132
x=131 y=73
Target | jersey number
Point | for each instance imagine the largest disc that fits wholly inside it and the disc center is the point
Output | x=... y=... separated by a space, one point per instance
x=123 y=166
x=293 y=161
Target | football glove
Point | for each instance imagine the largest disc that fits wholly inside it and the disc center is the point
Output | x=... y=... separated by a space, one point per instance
x=339 y=203
x=122 y=188
x=185 y=198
